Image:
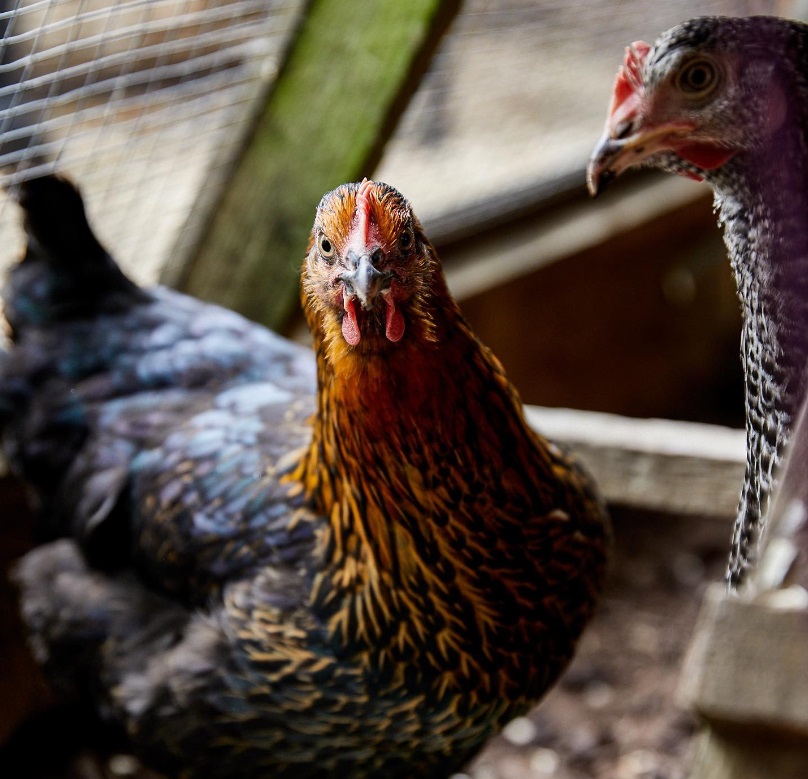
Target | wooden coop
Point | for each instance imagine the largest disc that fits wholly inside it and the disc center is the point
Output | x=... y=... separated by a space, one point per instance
x=203 y=133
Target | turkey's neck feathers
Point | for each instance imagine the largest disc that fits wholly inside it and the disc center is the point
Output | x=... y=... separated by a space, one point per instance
x=762 y=199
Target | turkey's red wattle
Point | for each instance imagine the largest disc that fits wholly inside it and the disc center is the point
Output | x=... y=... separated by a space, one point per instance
x=705 y=155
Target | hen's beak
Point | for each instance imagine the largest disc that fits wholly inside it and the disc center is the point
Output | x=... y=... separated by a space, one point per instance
x=622 y=147
x=363 y=280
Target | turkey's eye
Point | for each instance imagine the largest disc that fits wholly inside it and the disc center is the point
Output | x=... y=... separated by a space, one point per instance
x=698 y=77
x=405 y=241
x=326 y=247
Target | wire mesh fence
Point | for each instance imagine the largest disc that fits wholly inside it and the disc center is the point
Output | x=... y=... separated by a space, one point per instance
x=139 y=101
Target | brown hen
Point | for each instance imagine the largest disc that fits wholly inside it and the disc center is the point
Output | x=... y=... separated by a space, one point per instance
x=366 y=576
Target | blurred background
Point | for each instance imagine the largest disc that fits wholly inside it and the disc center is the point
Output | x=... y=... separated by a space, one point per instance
x=147 y=104
x=624 y=305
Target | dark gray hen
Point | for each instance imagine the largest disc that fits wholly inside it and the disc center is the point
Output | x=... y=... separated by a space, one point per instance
x=357 y=562
x=725 y=100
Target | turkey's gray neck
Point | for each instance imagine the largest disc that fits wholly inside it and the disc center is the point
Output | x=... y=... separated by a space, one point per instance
x=763 y=205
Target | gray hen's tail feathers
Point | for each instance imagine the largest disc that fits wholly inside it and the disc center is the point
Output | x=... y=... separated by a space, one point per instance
x=66 y=272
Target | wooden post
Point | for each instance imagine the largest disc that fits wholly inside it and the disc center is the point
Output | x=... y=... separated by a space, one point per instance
x=349 y=75
x=746 y=674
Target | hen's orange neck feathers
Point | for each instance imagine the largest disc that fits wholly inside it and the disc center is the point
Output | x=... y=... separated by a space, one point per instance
x=373 y=389
x=421 y=457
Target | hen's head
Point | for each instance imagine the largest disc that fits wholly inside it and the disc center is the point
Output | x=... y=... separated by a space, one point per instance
x=370 y=275
x=708 y=90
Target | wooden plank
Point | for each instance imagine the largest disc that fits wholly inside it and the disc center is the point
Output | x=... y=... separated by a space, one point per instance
x=337 y=99
x=658 y=464
x=746 y=676
x=747 y=664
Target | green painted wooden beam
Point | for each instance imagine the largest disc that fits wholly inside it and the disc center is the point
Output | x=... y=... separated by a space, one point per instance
x=347 y=79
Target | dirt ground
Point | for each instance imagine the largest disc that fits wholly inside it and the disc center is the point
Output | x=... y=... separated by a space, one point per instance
x=613 y=716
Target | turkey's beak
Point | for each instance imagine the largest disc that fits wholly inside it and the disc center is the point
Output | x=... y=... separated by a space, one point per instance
x=628 y=139
x=622 y=147
x=363 y=280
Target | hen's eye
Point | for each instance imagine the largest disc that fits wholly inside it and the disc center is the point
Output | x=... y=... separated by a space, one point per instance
x=406 y=240
x=699 y=77
x=326 y=247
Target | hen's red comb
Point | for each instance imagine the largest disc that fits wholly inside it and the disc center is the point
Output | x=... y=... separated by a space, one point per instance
x=362 y=213
x=629 y=77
